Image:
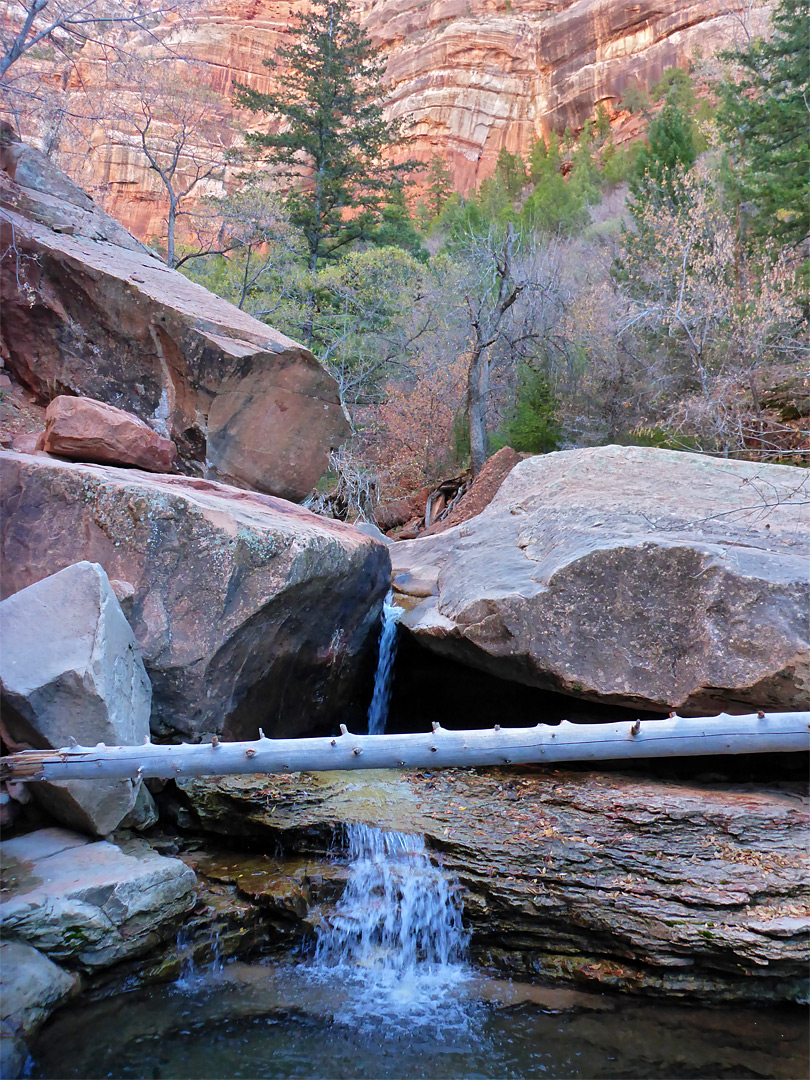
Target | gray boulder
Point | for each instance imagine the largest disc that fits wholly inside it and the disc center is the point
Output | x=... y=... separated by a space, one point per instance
x=70 y=669
x=31 y=986
x=248 y=611
x=627 y=575
x=90 y=903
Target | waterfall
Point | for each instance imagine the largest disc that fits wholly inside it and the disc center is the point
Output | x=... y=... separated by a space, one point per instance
x=396 y=934
x=384 y=678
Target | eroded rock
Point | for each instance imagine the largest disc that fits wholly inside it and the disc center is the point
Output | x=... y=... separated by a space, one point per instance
x=90 y=904
x=70 y=670
x=247 y=610
x=695 y=889
x=86 y=430
x=627 y=575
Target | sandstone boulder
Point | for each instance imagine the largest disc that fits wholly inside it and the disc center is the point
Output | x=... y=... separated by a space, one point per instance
x=31 y=986
x=90 y=312
x=628 y=575
x=88 y=430
x=90 y=903
x=248 y=611
x=70 y=669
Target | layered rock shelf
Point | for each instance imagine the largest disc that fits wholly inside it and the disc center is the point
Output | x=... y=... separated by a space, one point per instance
x=692 y=889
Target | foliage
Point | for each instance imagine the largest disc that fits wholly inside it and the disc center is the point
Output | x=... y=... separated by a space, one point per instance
x=327 y=145
x=439 y=185
x=764 y=121
x=533 y=426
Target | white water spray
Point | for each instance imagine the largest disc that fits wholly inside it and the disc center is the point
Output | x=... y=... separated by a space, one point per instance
x=384 y=678
x=396 y=934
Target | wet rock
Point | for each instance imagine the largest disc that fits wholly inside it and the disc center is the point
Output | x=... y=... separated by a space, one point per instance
x=247 y=610
x=90 y=312
x=70 y=670
x=687 y=889
x=90 y=904
x=87 y=430
x=31 y=987
x=627 y=575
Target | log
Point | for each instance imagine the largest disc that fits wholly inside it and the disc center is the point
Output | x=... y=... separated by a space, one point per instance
x=441 y=748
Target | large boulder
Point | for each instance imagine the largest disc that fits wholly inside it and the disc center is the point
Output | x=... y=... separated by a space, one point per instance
x=90 y=904
x=248 y=611
x=627 y=575
x=70 y=670
x=90 y=312
x=31 y=986
x=88 y=430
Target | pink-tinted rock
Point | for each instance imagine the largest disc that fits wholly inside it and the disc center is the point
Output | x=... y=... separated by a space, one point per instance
x=28 y=442
x=91 y=313
x=89 y=430
x=248 y=611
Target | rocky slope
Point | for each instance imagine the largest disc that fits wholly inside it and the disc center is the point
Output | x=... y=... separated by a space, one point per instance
x=89 y=312
x=468 y=76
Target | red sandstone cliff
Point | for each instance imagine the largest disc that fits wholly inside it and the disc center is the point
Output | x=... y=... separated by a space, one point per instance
x=469 y=76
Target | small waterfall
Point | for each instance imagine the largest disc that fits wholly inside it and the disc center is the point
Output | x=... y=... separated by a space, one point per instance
x=396 y=934
x=384 y=678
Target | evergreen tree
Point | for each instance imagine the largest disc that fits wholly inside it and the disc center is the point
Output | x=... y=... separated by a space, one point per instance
x=439 y=185
x=328 y=147
x=670 y=152
x=764 y=119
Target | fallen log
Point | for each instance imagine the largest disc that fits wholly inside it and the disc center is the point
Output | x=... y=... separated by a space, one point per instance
x=441 y=748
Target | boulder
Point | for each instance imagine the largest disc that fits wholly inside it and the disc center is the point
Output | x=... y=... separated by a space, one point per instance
x=90 y=312
x=90 y=903
x=70 y=670
x=31 y=986
x=88 y=430
x=627 y=575
x=248 y=611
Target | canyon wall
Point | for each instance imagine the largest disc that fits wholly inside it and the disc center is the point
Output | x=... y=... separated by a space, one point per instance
x=469 y=77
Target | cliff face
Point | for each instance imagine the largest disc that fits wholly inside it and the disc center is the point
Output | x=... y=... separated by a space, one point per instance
x=469 y=76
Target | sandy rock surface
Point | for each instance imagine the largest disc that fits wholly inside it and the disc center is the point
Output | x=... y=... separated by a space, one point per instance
x=627 y=575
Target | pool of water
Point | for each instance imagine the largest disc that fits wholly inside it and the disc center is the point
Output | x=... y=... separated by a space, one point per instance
x=291 y=1020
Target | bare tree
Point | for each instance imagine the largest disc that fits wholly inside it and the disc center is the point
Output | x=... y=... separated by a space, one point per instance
x=167 y=114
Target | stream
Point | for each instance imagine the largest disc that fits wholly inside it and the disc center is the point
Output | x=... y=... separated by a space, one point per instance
x=380 y=980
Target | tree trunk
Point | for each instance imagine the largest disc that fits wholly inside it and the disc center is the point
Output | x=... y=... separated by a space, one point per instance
x=477 y=390
x=441 y=748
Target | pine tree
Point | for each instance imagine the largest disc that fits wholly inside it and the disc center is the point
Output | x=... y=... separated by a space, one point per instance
x=670 y=152
x=764 y=119
x=328 y=148
x=439 y=185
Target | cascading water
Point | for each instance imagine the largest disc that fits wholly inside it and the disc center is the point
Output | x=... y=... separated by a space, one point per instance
x=384 y=678
x=396 y=935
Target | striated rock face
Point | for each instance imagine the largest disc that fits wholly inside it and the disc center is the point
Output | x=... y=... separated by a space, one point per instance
x=248 y=611
x=627 y=575
x=90 y=312
x=680 y=889
x=469 y=77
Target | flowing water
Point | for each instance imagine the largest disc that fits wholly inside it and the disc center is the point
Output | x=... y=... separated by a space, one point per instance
x=384 y=677
x=396 y=935
x=386 y=993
